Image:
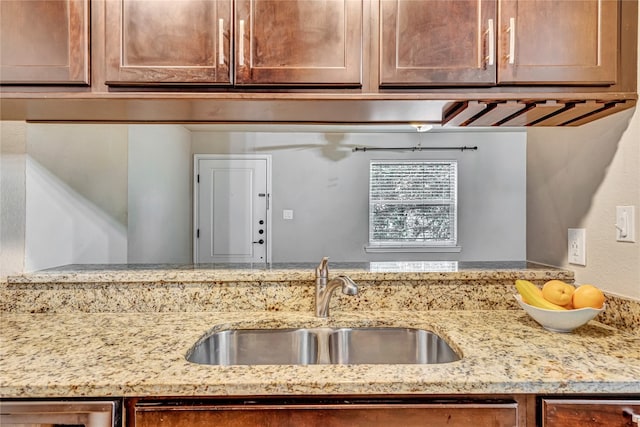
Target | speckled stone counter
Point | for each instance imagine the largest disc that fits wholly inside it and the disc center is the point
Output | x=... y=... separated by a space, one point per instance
x=220 y=273
x=125 y=330
x=143 y=354
x=383 y=286
x=419 y=286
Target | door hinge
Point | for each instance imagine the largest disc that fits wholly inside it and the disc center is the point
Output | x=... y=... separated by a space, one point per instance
x=198 y=233
x=198 y=178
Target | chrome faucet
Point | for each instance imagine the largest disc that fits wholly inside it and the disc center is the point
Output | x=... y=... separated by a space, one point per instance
x=325 y=287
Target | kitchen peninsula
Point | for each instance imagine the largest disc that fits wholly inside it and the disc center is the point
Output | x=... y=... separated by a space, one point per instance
x=84 y=331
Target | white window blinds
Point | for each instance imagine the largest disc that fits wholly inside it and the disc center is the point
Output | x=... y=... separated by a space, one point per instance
x=413 y=203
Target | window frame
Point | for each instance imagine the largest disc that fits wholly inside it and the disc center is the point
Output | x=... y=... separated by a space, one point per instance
x=450 y=245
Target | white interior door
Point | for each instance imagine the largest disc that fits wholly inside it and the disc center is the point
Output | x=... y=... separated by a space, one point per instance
x=232 y=203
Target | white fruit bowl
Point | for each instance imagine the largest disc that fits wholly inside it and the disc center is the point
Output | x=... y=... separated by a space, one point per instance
x=559 y=320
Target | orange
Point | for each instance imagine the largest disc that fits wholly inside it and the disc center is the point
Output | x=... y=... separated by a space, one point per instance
x=588 y=296
x=557 y=292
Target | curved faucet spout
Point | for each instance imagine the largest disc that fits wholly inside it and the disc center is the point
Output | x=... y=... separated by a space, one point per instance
x=324 y=290
x=349 y=287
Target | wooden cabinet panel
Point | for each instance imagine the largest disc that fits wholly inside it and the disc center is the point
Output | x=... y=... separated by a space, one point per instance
x=357 y=415
x=44 y=42
x=587 y=412
x=436 y=42
x=533 y=42
x=558 y=42
x=168 y=42
x=298 y=42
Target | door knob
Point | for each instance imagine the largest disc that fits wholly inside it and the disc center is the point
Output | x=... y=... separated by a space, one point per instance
x=260 y=242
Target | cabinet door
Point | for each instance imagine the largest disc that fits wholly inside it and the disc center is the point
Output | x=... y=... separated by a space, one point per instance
x=558 y=42
x=437 y=42
x=299 y=42
x=380 y=415
x=587 y=412
x=44 y=42
x=168 y=42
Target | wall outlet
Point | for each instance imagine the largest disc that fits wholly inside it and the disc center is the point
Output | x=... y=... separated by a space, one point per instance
x=626 y=223
x=577 y=246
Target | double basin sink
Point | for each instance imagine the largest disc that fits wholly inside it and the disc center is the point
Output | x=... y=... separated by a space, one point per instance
x=309 y=346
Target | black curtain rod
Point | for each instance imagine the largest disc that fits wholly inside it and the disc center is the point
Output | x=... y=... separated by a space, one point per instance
x=463 y=148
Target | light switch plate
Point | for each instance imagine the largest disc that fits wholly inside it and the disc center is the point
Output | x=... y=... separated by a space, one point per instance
x=625 y=223
x=287 y=214
x=577 y=243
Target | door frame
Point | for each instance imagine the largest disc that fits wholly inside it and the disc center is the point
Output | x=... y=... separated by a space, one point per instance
x=196 y=195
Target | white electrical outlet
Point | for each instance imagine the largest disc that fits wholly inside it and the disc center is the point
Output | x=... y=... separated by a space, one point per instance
x=625 y=223
x=577 y=243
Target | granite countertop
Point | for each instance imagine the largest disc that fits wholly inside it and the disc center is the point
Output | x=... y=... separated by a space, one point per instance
x=78 y=331
x=143 y=354
x=181 y=273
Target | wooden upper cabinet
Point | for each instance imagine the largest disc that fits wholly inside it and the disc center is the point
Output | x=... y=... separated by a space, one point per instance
x=437 y=42
x=558 y=42
x=182 y=42
x=298 y=42
x=531 y=42
x=44 y=42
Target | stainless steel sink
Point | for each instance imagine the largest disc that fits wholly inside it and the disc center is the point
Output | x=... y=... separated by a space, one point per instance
x=257 y=347
x=306 y=346
x=388 y=346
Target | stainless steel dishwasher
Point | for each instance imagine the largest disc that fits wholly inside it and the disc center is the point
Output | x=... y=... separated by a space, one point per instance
x=58 y=413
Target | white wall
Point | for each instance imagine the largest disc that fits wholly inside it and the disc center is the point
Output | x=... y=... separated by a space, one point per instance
x=67 y=196
x=576 y=178
x=122 y=193
x=13 y=143
x=326 y=185
x=76 y=195
x=159 y=194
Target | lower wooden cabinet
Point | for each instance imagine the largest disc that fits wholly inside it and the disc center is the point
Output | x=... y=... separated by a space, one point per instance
x=516 y=410
x=590 y=412
x=327 y=415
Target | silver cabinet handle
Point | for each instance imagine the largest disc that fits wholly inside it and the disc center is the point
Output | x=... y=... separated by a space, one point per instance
x=241 y=44
x=491 y=42
x=512 y=40
x=220 y=41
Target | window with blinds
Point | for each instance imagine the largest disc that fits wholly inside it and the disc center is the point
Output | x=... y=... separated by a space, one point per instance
x=413 y=203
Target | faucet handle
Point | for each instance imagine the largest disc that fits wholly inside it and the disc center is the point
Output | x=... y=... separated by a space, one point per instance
x=323 y=269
